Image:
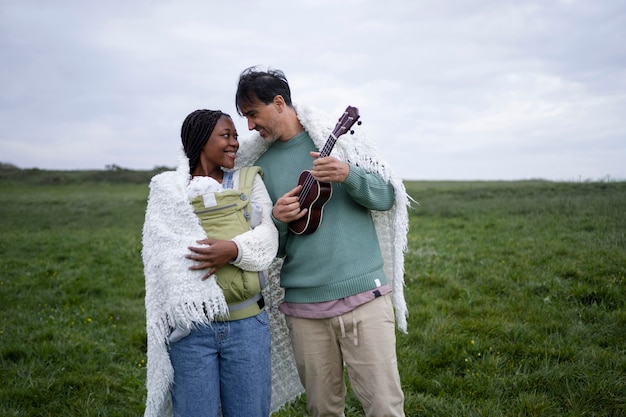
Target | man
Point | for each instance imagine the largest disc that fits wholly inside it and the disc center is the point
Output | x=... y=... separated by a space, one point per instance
x=338 y=284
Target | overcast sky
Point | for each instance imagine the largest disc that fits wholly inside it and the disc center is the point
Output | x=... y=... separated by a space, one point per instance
x=449 y=89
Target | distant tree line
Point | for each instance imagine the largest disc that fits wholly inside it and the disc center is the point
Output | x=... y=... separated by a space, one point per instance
x=112 y=173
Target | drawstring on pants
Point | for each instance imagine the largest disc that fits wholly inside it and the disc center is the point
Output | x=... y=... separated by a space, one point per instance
x=355 y=333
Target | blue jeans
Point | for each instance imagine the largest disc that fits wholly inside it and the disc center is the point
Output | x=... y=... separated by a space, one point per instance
x=225 y=363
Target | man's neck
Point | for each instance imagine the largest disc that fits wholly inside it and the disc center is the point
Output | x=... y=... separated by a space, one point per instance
x=293 y=127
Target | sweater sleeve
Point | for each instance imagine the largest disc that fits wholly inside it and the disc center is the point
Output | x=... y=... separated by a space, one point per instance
x=258 y=245
x=283 y=233
x=369 y=190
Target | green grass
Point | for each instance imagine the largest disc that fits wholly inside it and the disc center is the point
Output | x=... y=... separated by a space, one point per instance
x=516 y=294
x=517 y=299
x=71 y=291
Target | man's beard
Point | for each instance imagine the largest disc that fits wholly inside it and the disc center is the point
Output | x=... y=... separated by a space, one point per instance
x=269 y=138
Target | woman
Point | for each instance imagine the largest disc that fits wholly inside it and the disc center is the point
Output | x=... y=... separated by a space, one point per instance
x=208 y=334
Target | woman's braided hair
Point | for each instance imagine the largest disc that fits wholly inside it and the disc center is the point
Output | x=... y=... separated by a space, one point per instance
x=196 y=130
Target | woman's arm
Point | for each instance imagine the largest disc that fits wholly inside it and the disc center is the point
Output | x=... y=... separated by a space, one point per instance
x=259 y=245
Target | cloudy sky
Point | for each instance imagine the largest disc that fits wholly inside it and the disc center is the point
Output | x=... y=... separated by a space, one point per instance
x=449 y=89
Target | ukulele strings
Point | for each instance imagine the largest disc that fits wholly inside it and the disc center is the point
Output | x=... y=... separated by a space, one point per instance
x=309 y=181
x=332 y=139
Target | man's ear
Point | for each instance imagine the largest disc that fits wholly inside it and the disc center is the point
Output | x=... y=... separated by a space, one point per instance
x=279 y=102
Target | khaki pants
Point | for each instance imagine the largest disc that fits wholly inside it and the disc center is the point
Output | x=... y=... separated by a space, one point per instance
x=365 y=341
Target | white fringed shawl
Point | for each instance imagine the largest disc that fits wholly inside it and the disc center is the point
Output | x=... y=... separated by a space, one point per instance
x=391 y=226
x=176 y=295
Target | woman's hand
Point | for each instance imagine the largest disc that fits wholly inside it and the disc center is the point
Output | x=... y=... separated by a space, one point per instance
x=213 y=255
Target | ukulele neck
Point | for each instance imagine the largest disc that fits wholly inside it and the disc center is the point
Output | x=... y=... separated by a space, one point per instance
x=328 y=147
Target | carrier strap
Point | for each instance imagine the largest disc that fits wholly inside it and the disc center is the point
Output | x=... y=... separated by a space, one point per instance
x=256 y=299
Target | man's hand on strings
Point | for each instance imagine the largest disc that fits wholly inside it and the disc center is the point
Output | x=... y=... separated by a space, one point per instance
x=329 y=169
x=287 y=208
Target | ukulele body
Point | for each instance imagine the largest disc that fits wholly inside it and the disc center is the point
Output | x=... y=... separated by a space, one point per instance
x=314 y=194
x=315 y=200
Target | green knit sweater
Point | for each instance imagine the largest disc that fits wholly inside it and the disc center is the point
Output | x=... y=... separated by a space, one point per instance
x=342 y=257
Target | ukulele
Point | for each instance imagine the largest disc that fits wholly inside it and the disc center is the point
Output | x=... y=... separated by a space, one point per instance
x=314 y=194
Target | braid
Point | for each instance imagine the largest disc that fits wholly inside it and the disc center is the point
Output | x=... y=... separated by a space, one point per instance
x=195 y=132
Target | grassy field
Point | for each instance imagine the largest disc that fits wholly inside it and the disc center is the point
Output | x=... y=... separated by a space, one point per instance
x=516 y=293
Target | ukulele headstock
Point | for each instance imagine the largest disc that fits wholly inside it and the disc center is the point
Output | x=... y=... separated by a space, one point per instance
x=349 y=117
